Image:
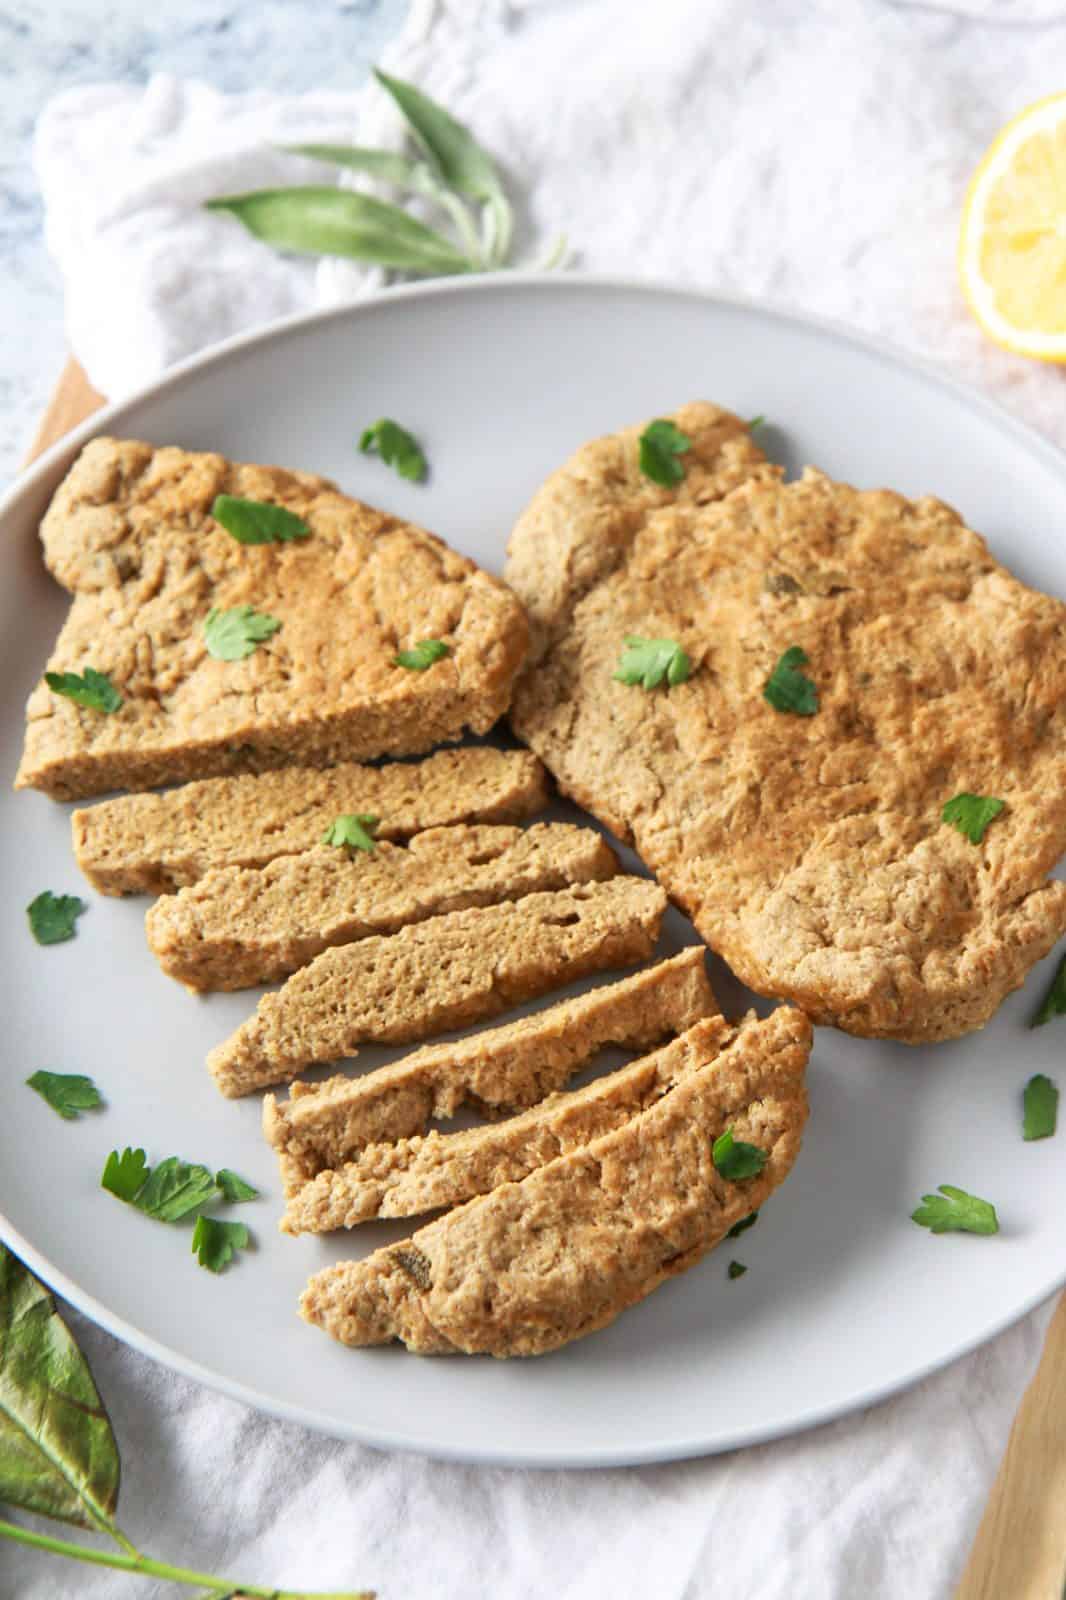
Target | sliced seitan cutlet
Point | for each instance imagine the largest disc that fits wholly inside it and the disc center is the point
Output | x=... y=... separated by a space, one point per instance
x=240 y=926
x=438 y=975
x=500 y=1070
x=535 y=1264
x=153 y=843
x=426 y=1174
x=130 y=533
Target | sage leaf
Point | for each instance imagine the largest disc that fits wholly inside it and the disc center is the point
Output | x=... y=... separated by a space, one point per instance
x=322 y=221
x=387 y=166
x=58 y=1455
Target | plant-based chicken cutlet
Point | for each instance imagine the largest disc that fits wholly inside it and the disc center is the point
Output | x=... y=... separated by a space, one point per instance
x=131 y=533
x=799 y=823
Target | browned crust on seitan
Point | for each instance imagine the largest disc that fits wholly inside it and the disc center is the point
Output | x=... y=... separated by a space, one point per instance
x=438 y=975
x=240 y=926
x=810 y=851
x=500 y=1070
x=427 y=1174
x=535 y=1264
x=153 y=843
x=130 y=534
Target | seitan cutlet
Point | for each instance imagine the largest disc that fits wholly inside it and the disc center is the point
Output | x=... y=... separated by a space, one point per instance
x=153 y=843
x=438 y=975
x=535 y=1264
x=426 y=1174
x=499 y=1070
x=130 y=533
x=809 y=849
x=240 y=926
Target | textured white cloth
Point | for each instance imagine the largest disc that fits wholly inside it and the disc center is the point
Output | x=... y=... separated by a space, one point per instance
x=814 y=154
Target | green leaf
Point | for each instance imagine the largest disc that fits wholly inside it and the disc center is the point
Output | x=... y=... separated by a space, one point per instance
x=257 y=521
x=651 y=662
x=756 y=422
x=787 y=689
x=1040 y=1108
x=660 y=445
x=955 y=1210
x=385 y=165
x=58 y=1455
x=234 y=1188
x=52 y=916
x=742 y=1227
x=454 y=155
x=92 y=689
x=214 y=1242
x=124 y=1174
x=66 y=1092
x=231 y=635
x=396 y=447
x=1054 y=1002
x=352 y=829
x=174 y=1189
x=737 y=1269
x=422 y=655
x=322 y=221
x=971 y=814
x=735 y=1160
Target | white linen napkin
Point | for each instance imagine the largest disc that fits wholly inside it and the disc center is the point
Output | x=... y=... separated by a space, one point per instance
x=812 y=154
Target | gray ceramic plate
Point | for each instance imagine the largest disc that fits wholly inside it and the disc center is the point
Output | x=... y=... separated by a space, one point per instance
x=845 y=1299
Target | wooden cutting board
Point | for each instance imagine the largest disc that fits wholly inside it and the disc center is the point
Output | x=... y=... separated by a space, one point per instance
x=1020 y=1549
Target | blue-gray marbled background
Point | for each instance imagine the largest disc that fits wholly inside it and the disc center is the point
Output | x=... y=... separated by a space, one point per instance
x=50 y=45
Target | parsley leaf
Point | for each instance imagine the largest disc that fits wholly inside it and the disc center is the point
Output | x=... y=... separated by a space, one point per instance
x=756 y=422
x=66 y=1092
x=1054 y=1002
x=257 y=521
x=737 y=1269
x=231 y=635
x=956 y=1211
x=651 y=661
x=396 y=447
x=52 y=916
x=421 y=655
x=124 y=1174
x=91 y=689
x=971 y=814
x=356 y=830
x=175 y=1188
x=1040 y=1107
x=234 y=1188
x=734 y=1159
x=215 y=1242
x=787 y=689
x=660 y=445
x=743 y=1225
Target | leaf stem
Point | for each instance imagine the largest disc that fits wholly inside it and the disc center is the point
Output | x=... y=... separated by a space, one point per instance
x=463 y=225
x=161 y=1569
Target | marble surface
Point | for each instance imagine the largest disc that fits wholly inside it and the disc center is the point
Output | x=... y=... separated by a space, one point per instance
x=48 y=45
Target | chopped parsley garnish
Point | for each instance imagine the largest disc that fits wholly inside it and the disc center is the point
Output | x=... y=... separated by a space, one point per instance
x=788 y=689
x=661 y=444
x=52 y=916
x=234 y=1188
x=734 y=1159
x=68 y=1093
x=971 y=814
x=737 y=1269
x=1040 y=1108
x=91 y=689
x=396 y=447
x=231 y=635
x=651 y=662
x=356 y=830
x=743 y=1225
x=174 y=1189
x=756 y=422
x=1054 y=1002
x=421 y=655
x=953 y=1210
x=257 y=521
x=215 y=1242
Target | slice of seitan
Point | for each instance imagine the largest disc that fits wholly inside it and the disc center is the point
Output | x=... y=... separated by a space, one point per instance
x=438 y=975
x=152 y=843
x=426 y=1174
x=500 y=1070
x=241 y=926
x=535 y=1264
x=131 y=534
